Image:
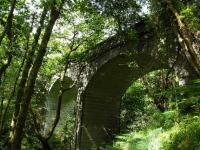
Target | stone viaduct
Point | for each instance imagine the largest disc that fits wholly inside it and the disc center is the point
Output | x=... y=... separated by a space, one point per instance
x=105 y=76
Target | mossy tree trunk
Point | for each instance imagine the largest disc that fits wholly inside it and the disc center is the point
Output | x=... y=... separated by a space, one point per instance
x=26 y=69
x=189 y=44
x=17 y=133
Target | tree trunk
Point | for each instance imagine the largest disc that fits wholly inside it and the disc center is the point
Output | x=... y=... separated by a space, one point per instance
x=12 y=94
x=6 y=65
x=37 y=130
x=8 y=25
x=8 y=30
x=29 y=61
x=16 y=138
x=45 y=144
x=44 y=138
x=189 y=44
x=17 y=77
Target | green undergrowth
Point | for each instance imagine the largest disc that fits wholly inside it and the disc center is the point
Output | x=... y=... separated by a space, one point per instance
x=182 y=135
x=176 y=128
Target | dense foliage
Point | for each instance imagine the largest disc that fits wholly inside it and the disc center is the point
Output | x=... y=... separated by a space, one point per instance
x=177 y=128
x=38 y=41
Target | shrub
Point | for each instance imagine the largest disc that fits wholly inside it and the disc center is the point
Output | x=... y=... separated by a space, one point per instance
x=188 y=136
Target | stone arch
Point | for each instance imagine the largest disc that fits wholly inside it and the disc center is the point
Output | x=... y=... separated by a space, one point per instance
x=105 y=76
x=102 y=97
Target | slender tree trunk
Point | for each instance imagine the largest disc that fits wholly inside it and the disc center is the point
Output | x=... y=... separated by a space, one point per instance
x=8 y=30
x=1 y=106
x=5 y=65
x=61 y=92
x=8 y=25
x=160 y=102
x=37 y=130
x=14 y=89
x=18 y=75
x=29 y=61
x=45 y=144
x=45 y=138
x=189 y=44
x=24 y=106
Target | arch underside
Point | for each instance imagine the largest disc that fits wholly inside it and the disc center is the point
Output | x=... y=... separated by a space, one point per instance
x=120 y=63
x=104 y=78
x=101 y=102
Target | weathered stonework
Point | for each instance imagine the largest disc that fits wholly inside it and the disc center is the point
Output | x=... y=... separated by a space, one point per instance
x=105 y=76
